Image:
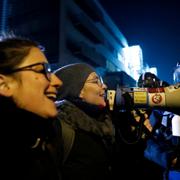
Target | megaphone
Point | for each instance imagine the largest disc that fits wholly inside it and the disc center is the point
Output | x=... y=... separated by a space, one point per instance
x=167 y=98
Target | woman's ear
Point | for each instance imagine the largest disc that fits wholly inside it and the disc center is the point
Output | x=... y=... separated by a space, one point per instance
x=81 y=94
x=5 y=88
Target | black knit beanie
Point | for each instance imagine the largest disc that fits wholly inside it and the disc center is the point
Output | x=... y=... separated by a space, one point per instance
x=73 y=77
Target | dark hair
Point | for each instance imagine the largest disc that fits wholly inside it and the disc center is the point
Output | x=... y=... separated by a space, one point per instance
x=13 y=50
x=148 y=79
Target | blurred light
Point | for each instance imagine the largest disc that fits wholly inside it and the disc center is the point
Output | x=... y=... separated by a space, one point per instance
x=133 y=60
x=176 y=74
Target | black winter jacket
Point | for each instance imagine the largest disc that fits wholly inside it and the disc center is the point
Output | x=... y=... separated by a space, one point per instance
x=30 y=145
x=90 y=155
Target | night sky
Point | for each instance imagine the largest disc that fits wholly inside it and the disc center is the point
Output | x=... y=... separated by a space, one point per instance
x=152 y=24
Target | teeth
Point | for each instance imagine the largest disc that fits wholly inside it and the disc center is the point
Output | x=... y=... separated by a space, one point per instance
x=102 y=95
x=52 y=96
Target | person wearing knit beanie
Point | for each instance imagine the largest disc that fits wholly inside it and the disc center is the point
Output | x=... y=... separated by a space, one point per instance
x=73 y=77
x=85 y=123
x=80 y=80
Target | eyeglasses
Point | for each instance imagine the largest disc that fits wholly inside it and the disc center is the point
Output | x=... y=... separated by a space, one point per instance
x=46 y=69
x=97 y=81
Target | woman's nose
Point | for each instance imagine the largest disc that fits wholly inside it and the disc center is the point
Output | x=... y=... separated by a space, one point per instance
x=56 y=81
x=104 y=86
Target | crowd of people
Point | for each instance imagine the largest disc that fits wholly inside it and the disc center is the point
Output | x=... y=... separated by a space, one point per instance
x=58 y=126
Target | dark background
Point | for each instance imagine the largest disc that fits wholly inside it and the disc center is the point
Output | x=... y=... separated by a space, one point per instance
x=152 y=24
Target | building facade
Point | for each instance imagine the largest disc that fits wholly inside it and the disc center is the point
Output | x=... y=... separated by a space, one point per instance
x=72 y=31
